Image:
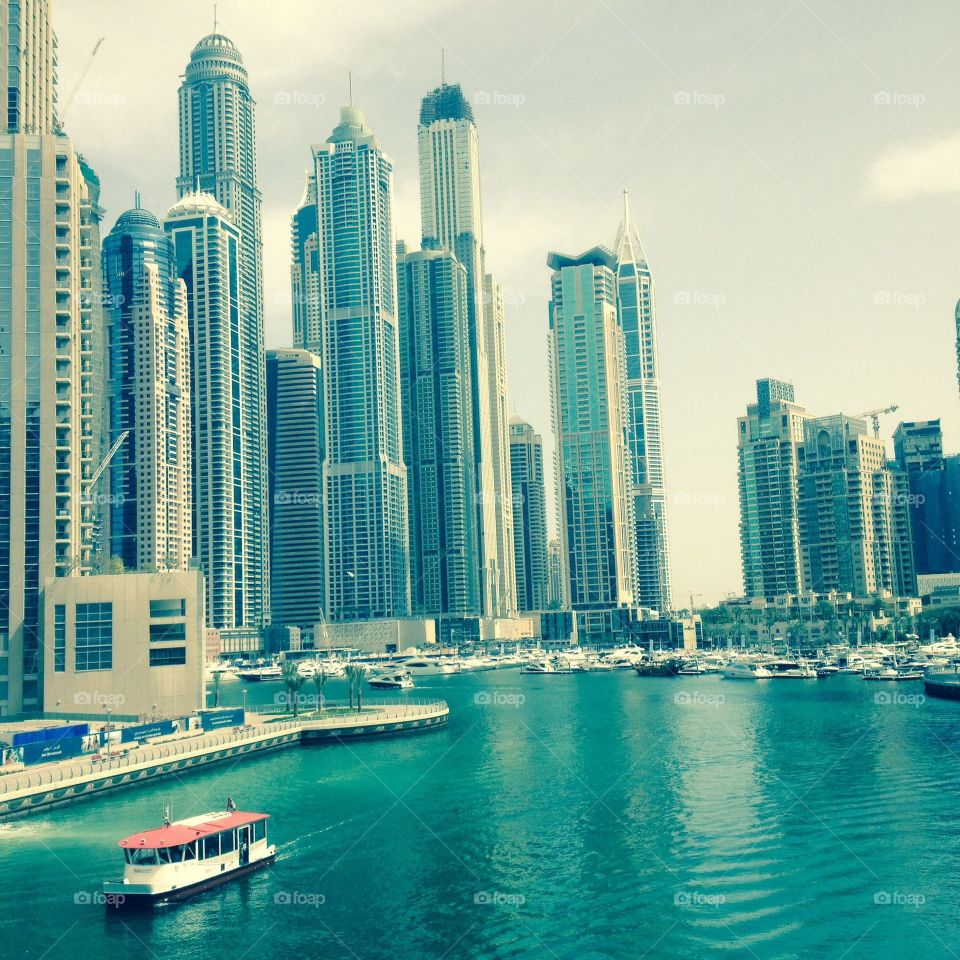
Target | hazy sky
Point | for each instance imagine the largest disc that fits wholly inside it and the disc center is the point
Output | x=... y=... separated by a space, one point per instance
x=794 y=169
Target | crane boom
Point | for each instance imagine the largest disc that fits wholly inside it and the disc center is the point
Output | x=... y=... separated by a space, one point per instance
x=69 y=102
x=875 y=415
x=105 y=462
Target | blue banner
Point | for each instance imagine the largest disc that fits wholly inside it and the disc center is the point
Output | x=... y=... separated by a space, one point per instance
x=50 y=733
x=47 y=750
x=147 y=731
x=220 y=719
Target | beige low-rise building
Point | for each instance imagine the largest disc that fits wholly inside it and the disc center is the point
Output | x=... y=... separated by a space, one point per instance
x=131 y=644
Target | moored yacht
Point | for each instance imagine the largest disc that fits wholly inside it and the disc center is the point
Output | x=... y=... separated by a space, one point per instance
x=746 y=670
x=391 y=681
x=185 y=857
x=791 y=670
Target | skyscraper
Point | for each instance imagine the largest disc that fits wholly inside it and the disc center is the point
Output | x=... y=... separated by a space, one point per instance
x=226 y=434
x=50 y=326
x=148 y=521
x=451 y=219
x=588 y=389
x=637 y=308
x=350 y=269
x=218 y=156
x=295 y=431
x=767 y=441
x=851 y=513
x=435 y=379
x=918 y=446
x=529 y=516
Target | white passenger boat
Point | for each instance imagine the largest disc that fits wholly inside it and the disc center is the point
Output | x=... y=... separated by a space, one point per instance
x=746 y=670
x=186 y=857
x=261 y=674
x=430 y=666
x=791 y=670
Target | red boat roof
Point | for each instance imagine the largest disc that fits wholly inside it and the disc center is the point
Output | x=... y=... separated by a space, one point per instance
x=184 y=831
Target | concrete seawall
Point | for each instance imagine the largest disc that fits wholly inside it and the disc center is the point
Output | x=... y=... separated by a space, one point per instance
x=55 y=784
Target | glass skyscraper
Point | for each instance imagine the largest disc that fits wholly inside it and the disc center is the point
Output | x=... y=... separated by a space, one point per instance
x=435 y=378
x=147 y=502
x=529 y=516
x=295 y=432
x=451 y=219
x=590 y=422
x=218 y=156
x=637 y=309
x=347 y=267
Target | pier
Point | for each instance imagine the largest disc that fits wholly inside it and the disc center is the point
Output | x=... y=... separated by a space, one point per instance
x=37 y=790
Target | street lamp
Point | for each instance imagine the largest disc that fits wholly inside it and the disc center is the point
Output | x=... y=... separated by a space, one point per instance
x=108 y=736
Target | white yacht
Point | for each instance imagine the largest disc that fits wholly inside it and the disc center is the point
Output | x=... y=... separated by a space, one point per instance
x=431 y=666
x=791 y=670
x=746 y=670
x=391 y=681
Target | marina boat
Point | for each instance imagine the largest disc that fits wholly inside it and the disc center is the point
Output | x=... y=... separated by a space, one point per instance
x=746 y=670
x=430 y=666
x=690 y=668
x=658 y=668
x=544 y=666
x=391 y=681
x=791 y=670
x=893 y=673
x=261 y=674
x=186 y=857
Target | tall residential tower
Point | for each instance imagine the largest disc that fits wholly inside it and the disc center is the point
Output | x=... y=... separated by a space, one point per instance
x=529 y=517
x=218 y=157
x=451 y=219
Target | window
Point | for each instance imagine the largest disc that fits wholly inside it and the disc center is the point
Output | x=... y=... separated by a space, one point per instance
x=168 y=608
x=168 y=657
x=94 y=636
x=59 y=638
x=162 y=632
x=259 y=830
x=143 y=857
x=211 y=846
x=227 y=841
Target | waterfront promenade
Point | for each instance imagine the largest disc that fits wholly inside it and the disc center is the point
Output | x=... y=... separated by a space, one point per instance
x=31 y=790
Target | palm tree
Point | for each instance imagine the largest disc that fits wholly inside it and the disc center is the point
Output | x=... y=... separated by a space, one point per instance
x=319 y=679
x=355 y=680
x=293 y=679
x=216 y=689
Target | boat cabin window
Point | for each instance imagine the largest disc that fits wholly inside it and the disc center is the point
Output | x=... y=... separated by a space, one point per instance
x=190 y=850
x=259 y=830
x=176 y=854
x=211 y=846
x=143 y=857
x=228 y=841
x=163 y=854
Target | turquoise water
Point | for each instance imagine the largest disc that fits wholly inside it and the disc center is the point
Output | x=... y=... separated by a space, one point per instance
x=582 y=816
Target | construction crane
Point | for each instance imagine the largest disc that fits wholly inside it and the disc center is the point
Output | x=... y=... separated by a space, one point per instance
x=73 y=93
x=875 y=416
x=87 y=486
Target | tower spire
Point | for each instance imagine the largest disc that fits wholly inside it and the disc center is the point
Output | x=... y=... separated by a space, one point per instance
x=443 y=67
x=626 y=206
x=215 y=21
x=350 y=86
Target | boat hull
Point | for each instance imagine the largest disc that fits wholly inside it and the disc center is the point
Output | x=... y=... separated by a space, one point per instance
x=119 y=896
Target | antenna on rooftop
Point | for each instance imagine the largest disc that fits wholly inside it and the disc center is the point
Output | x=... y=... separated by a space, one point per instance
x=443 y=67
x=215 y=18
x=350 y=85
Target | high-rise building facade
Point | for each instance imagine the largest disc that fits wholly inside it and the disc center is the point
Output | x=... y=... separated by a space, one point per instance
x=451 y=219
x=351 y=271
x=295 y=431
x=918 y=446
x=28 y=60
x=767 y=441
x=218 y=156
x=556 y=589
x=588 y=389
x=529 y=516
x=50 y=332
x=147 y=488
x=851 y=510
x=637 y=308
x=435 y=381
x=226 y=541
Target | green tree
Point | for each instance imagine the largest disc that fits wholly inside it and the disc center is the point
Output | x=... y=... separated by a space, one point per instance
x=294 y=680
x=319 y=679
x=354 y=674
